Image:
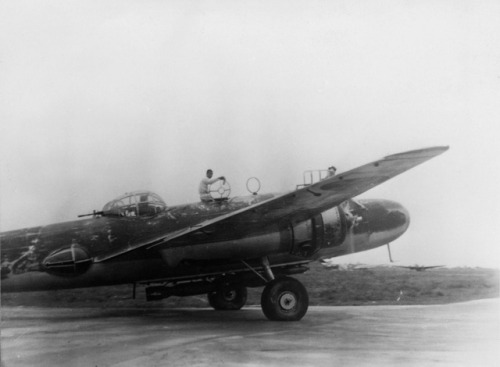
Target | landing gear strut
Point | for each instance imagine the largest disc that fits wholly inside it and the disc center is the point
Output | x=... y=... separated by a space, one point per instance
x=283 y=298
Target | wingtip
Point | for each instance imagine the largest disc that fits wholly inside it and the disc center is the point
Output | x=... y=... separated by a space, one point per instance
x=437 y=150
x=442 y=148
x=425 y=152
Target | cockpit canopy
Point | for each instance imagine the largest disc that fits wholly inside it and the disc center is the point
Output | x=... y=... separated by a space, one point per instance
x=138 y=203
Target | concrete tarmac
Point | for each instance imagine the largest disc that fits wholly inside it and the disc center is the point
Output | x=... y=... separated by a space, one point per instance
x=463 y=334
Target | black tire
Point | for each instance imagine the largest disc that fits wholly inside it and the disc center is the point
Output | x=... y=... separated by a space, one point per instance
x=226 y=298
x=284 y=299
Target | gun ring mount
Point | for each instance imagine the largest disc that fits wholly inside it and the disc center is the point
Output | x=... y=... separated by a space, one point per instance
x=220 y=190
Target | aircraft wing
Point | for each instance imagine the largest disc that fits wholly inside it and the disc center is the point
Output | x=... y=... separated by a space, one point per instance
x=295 y=206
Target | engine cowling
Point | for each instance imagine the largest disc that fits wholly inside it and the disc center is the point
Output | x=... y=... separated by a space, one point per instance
x=325 y=230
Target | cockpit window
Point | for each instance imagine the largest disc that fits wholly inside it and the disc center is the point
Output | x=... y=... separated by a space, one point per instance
x=136 y=204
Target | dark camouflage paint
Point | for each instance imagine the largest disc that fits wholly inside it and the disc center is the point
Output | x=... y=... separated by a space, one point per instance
x=30 y=257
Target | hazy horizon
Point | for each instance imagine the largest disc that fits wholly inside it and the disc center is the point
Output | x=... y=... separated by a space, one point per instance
x=103 y=98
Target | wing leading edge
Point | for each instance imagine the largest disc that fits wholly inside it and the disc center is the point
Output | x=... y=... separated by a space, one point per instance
x=299 y=205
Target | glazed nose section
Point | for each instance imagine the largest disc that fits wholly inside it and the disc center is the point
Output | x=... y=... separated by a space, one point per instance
x=394 y=221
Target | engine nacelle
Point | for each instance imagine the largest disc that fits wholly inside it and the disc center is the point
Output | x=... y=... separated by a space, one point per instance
x=302 y=239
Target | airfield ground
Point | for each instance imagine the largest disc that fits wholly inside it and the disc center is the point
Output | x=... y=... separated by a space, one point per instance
x=374 y=286
x=441 y=317
x=454 y=335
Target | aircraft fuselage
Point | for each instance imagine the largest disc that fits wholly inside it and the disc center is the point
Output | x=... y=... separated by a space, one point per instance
x=66 y=255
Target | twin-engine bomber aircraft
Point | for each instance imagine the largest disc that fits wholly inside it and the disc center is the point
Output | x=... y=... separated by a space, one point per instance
x=217 y=248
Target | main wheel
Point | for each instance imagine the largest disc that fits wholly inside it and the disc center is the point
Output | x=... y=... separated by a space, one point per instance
x=284 y=299
x=228 y=298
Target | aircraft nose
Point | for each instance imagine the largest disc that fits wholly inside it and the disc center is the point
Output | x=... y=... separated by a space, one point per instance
x=389 y=221
x=399 y=217
x=382 y=221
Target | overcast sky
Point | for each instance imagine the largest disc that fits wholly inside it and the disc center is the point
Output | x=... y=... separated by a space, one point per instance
x=103 y=97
